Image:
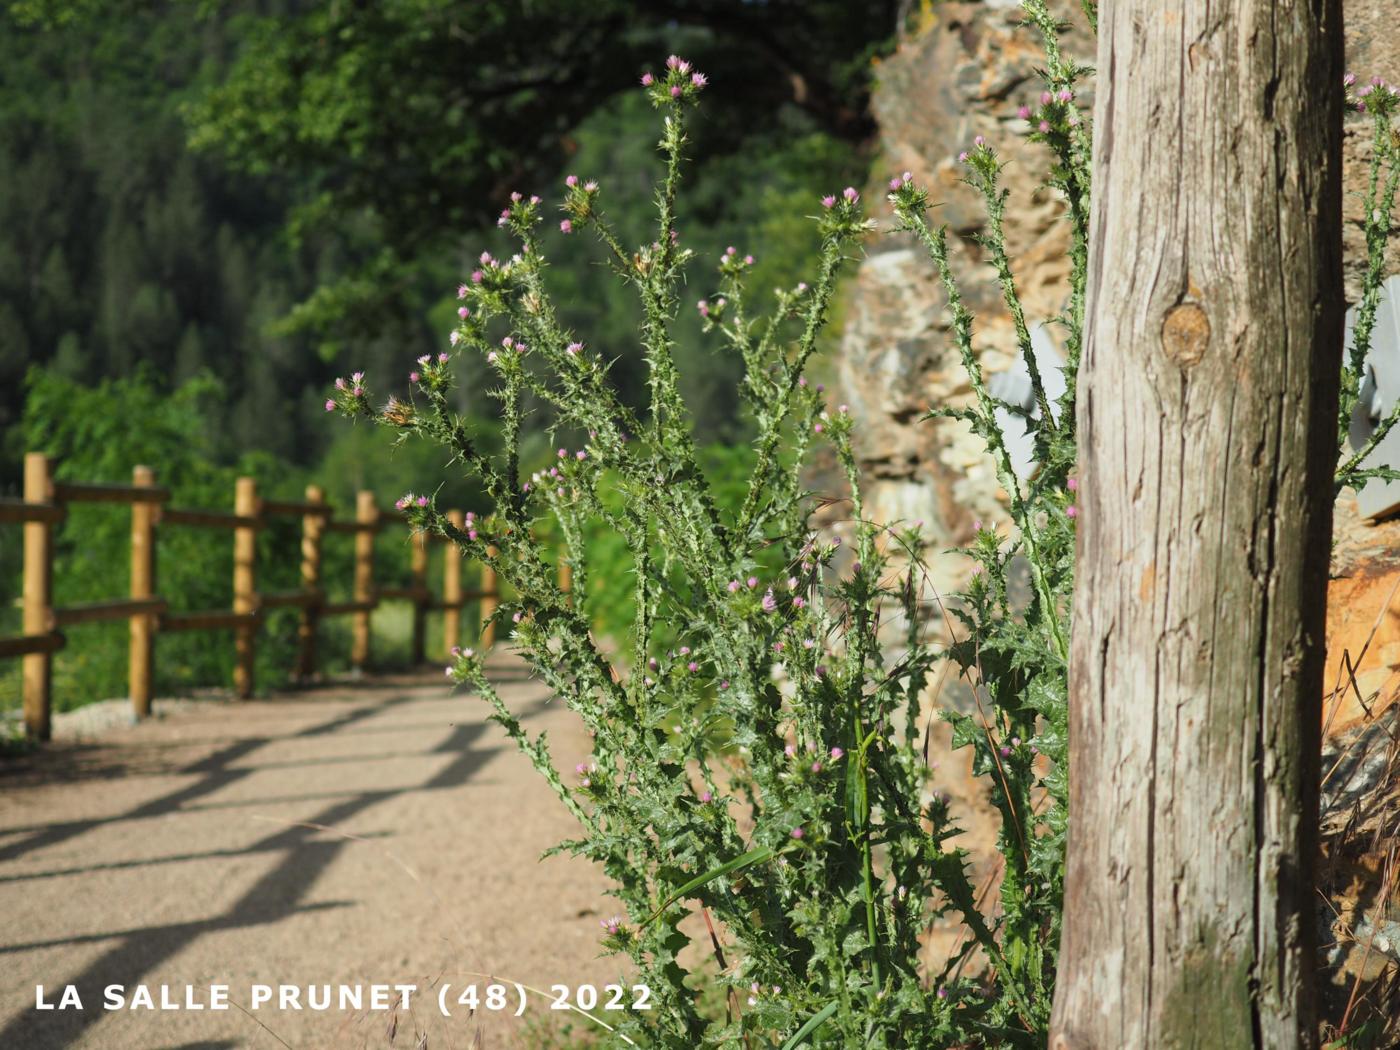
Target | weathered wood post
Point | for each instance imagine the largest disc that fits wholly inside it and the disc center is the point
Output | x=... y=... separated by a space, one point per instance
x=313 y=528
x=37 y=668
x=1207 y=446
x=489 y=601
x=367 y=517
x=452 y=587
x=421 y=597
x=245 y=595
x=141 y=654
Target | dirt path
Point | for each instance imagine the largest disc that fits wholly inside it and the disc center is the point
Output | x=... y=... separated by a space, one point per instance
x=177 y=853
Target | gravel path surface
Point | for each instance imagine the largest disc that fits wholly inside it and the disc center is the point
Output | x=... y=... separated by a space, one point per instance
x=181 y=852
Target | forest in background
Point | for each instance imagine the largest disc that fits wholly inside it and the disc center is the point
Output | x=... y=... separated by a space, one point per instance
x=212 y=210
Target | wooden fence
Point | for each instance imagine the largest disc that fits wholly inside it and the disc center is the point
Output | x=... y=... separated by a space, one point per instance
x=45 y=505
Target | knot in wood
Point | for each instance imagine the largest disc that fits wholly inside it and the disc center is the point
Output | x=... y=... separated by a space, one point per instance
x=1185 y=334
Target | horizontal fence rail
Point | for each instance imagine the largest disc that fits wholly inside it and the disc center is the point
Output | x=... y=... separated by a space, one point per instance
x=45 y=505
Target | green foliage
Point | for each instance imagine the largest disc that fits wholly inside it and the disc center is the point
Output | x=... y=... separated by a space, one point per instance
x=99 y=433
x=756 y=749
x=410 y=114
x=1382 y=103
x=90 y=433
x=118 y=247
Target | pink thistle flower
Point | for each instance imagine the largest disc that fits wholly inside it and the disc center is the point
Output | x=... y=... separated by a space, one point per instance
x=1065 y=95
x=1071 y=511
x=752 y=582
x=850 y=194
x=828 y=201
x=463 y=312
x=797 y=833
x=565 y=226
x=1072 y=484
x=517 y=617
x=979 y=142
x=1046 y=98
x=837 y=754
x=491 y=357
x=816 y=767
x=692 y=667
x=590 y=187
x=895 y=183
x=487 y=259
x=673 y=62
x=340 y=384
x=580 y=455
x=571 y=181
x=330 y=405
x=1023 y=112
x=573 y=349
x=799 y=602
x=699 y=80
x=724 y=685
x=818 y=429
x=648 y=80
x=477 y=277
x=1044 y=126
x=413 y=377
x=454 y=337
x=731 y=250
x=442 y=359
x=748 y=260
x=733 y=586
x=461 y=291
x=422 y=501
x=534 y=199
x=471 y=533
x=963 y=156
x=790 y=750
x=703 y=307
x=1349 y=80
x=770 y=604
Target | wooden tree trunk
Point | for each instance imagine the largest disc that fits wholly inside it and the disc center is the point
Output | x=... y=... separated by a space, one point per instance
x=1207 y=433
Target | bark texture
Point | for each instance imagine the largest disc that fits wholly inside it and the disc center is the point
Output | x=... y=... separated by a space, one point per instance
x=1207 y=445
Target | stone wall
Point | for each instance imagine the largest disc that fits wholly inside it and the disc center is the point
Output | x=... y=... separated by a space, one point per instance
x=961 y=74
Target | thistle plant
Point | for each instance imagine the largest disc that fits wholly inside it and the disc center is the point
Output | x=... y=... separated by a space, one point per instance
x=757 y=759
x=1381 y=102
x=756 y=750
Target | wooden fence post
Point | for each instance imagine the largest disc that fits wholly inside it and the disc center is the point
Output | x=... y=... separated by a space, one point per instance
x=419 y=563
x=452 y=588
x=38 y=598
x=489 y=602
x=313 y=528
x=367 y=516
x=141 y=654
x=245 y=596
x=566 y=571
